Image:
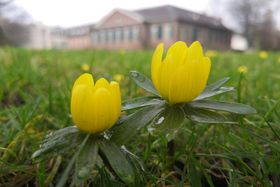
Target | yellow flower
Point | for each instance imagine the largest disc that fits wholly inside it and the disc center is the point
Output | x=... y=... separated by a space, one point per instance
x=263 y=54
x=211 y=53
x=85 y=67
x=118 y=77
x=95 y=108
x=183 y=74
x=122 y=51
x=278 y=60
x=242 y=69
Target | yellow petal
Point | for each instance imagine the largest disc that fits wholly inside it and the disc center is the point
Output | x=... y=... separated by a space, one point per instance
x=84 y=79
x=82 y=107
x=116 y=101
x=196 y=50
x=181 y=87
x=164 y=77
x=101 y=83
x=178 y=86
x=103 y=116
x=156 y=61
x=205 y=71
x=178 y=52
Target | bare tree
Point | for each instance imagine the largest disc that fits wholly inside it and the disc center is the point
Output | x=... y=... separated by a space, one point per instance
x=3 y=39
x=268 y=34
x=249 y=15
x=14 y=24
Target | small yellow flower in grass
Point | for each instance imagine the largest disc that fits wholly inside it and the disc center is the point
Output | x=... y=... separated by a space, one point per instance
x=85 y=67
x=118 y=77
x=242 y=69
x=182 y=75
x=263 y=54
x=122 y=51
x=278 y=60
x=95 y=107
x=211 y=53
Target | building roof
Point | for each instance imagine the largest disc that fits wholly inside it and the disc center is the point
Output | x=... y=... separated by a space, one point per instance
x=79 y=30
x=171 y=13
x=160 y=14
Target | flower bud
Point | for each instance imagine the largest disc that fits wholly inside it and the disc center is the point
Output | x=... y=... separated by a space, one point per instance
x=182 y=75
x=95 y=107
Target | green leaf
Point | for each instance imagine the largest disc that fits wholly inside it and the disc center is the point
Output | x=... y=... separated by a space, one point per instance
x=207 y=94
x=206 y=116
x=60 y=141
x=170 y=119
x=124 y=132
x=136 y=160
x=66 y=172
x=236 y=108
x=86 y=161
x=137 y=164
x=117 y=161
x=144 y=82
x=194 y=173
x=216 y=85
x=215 y=89
x=140 y=102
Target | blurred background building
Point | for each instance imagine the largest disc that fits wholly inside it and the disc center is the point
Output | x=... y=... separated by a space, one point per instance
x=144 y=28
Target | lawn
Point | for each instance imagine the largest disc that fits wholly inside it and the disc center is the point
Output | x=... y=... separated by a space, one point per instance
x=35 y=89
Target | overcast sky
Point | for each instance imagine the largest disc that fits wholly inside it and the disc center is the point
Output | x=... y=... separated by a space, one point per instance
x=76 y=12
x=68 y=13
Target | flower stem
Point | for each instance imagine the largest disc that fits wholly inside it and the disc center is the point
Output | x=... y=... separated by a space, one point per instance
x=170 y=153
x=239 y=88
x=239 y=94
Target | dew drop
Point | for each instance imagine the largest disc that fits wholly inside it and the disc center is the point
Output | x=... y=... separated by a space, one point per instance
x=160 y=120
x=134 y=74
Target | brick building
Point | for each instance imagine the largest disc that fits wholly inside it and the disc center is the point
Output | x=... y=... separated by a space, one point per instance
x=79 y=37
x=139 y=29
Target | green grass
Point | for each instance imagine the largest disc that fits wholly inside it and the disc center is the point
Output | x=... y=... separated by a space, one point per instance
x=35 y=88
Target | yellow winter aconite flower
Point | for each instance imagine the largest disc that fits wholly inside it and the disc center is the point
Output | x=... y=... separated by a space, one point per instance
x=85 y=67
x=182 y=75
x=95 y=107
x=122 y=51
x=242 y=69
x=118 y=77
x=263 y=54
x=278 y=60
x=211 y=53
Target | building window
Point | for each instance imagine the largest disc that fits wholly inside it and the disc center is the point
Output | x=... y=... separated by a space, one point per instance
x=156 y=32
x=126 y=34
x=95 y=38
x=106 y=36
x=121 y=34
x=113 y=35
x=195 y=33
x=135 y=33
x=110 y=35
x=183 y=31
x=159 y=32
x=130 y=35
x=102 y=36
x=98 y=37
x=118 y=34
x=168 y=31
